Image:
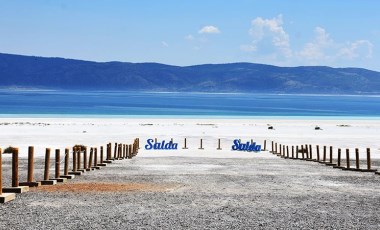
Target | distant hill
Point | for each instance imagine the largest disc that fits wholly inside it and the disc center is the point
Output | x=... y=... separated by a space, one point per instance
x=59 y=73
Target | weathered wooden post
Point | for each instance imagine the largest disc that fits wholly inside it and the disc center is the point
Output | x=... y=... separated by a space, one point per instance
x=47 y=180
x=292 y=151
x=66 y=167
x=185 y=144
x=272 y=147
x=310 y=152
x=102 y=161
x=85 y=159
x=318 y=153
x=357 y=159
x=347 y=160
x=115 y=152
x=75 y=164
x=280 y=147
x=108 y=154
x=58 y=177
x=4 y=197
x=219 y=148
x=338 y=160
x=16 y=188
x=89 y=168
x=120 y=152
x=79 y=160
x=287 y=151
x=130 y=152
x=201 y=144
x=275 y=148
x=369 y=163
x=95 y=159
x=265 y=145
x=330 y=162
x=30 y=179
x=302 y=152
x=324 y=153
x=297 y=152
x=306 y=150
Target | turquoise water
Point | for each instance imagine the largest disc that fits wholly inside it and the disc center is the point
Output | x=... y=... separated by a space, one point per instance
x=140 y=104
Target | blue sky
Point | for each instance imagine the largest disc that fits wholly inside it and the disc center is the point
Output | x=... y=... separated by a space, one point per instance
x=286 y=33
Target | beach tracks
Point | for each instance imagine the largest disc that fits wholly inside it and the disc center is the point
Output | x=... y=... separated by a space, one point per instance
x=82 y=162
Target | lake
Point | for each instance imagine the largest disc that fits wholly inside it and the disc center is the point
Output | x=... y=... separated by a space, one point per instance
x=116 y=103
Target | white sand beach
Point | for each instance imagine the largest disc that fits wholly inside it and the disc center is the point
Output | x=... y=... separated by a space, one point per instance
x=93 y=132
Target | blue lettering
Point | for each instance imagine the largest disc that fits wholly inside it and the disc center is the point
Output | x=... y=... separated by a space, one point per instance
x=149 y=145
x=236 y=145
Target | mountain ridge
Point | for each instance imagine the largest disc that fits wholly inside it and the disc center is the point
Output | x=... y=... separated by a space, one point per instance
x=61 y=73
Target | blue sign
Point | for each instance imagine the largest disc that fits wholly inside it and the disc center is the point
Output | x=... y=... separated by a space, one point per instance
x=249 y=147
x=160 y=146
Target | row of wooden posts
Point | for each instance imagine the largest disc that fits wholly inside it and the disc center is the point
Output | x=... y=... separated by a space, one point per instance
x=79 y=155
x=305 y=152
x=201 y=147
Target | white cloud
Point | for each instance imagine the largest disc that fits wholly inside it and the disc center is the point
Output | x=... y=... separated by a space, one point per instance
x=263 y=29
x=271 y=42
x=209 y=30
x=316 y=49
x=164 y=44
x=356 y=49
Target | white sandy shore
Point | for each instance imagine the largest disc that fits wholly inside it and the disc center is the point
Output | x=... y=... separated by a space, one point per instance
x=65 y=132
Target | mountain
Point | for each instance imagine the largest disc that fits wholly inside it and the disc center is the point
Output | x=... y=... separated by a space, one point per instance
x=60 y=73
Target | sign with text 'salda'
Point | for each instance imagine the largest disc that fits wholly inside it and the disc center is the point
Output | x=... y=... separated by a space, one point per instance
x=152 y=145
x=248 y=146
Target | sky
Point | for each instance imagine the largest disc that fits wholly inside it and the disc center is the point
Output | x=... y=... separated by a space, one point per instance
x=333 y=33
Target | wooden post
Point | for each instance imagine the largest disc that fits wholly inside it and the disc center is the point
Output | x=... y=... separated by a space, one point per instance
x=318 y=153
x=324 y=153
x=4 y=197
x=30 y=164
x=30 y=179
x=101 y=155
x=292 y=152
x=357 y=160
x=201 y=144
x=297 y=152
x=47 y=164
x=331 y=154
x=303 y=152
x=348 y=158
x=57 y=163
x=287 y=151
x=338 y=160
x=185 y=144
x=280 y=149
x=67 y=158
x=310 y=152
x=306 y=150
x=272 y=147
x=219 y=148
x=95 y=157
x=275 y=148
x=265 y=145
x=78 y=158
x=85 y=158
x=15 y=168
x=74 y=159
x=115 y=152
x=368 y=159
x=89 y=168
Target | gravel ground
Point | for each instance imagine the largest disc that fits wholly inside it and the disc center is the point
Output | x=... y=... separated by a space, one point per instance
x=262 y=192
